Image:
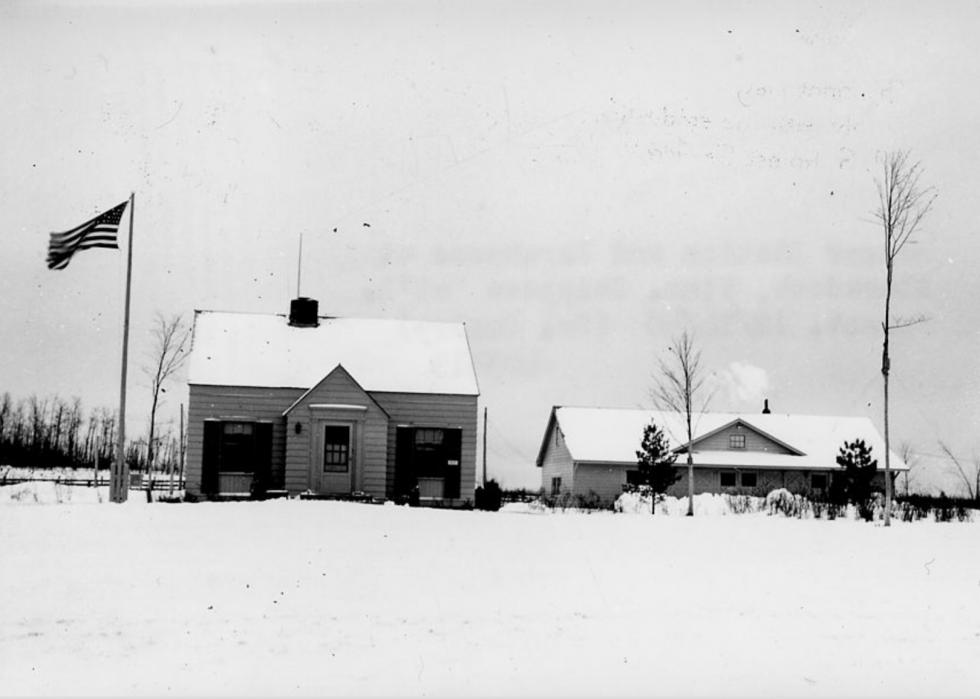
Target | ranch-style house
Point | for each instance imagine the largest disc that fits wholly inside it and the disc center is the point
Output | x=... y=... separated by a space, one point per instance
x=593 y=450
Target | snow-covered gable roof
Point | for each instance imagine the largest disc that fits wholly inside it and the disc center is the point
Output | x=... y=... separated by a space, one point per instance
x=245 y=349
x=610 y=435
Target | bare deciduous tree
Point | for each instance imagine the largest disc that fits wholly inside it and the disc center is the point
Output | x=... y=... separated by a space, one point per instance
x=171 y=337
x=911 y=459
x=902 y=204
x=679 y=388
x=968 y=474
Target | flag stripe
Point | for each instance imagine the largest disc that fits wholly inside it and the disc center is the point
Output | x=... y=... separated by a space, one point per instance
x=79 y=243
x=100 y=232
x=75 y=242
x=66 y=239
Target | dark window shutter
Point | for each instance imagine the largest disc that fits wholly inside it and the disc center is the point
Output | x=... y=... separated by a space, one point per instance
x=453 y=446
x=404 y=472
x=211 y=457
x=263 y=459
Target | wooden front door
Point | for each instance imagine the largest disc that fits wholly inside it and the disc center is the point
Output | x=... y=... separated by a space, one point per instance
x=335 y=459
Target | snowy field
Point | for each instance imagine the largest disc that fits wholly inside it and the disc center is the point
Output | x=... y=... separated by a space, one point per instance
x=329 y=598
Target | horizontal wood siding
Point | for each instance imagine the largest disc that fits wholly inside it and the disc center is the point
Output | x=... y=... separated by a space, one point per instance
x=433 y=410
x=706 y=480
x=431 y=488
x=370 y=437
x=235 y=483
x=557 y=463
x=753 y=442
x=226 y=402
x=605 y=480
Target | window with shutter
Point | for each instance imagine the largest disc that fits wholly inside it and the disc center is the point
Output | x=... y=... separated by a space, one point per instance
x=429 y=459
x=236 y=447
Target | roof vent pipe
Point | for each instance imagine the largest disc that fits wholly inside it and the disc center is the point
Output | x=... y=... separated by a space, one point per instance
x=765 y=408
x=303 y=312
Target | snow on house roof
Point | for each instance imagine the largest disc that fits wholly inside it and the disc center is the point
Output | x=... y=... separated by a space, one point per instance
x=246 y=349
x=610 y=435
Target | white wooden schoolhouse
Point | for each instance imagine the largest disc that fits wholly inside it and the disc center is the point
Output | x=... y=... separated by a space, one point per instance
x=331 y=407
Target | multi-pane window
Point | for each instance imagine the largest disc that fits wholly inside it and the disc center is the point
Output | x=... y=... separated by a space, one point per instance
x=427 y=439
x=728 y=479
x=556 y=485
x=336 y=448
x=749 y=480
x=736 y=441
x=425 y=455
x=237 y=455
x=237 y=447
x=430 y=457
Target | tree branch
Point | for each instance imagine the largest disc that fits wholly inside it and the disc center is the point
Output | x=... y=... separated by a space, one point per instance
x=908 y=322
x=969 y=481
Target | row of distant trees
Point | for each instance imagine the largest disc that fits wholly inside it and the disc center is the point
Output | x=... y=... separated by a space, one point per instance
x=48 y=432
x=51 y=432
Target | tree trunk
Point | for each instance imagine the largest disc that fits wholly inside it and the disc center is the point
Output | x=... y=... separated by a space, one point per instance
x=149 y=446
x=885 y=369
x=690 y=483
x=888 y=472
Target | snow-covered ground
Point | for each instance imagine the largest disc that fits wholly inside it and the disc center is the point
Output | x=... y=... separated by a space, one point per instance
x=305 y=597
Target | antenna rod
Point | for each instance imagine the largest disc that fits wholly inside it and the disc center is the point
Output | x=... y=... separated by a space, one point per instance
x=299 y=266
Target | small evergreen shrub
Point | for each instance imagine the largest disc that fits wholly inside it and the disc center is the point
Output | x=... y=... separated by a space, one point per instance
x=854 y=483
x=655 y=471
x=488 y=498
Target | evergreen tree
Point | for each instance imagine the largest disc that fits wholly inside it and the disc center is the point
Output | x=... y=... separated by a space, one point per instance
x=854 y=483
x=655 y=464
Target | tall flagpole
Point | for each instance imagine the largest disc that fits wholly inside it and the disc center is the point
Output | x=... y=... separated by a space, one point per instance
x=119 y=485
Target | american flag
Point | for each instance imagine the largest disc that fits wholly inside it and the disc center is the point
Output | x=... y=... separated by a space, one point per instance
x=100 y=232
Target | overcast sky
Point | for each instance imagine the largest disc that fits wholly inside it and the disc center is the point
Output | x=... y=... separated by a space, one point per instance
x=579 y=182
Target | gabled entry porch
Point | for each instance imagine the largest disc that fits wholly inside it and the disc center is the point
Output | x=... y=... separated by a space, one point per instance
x=336 y=446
